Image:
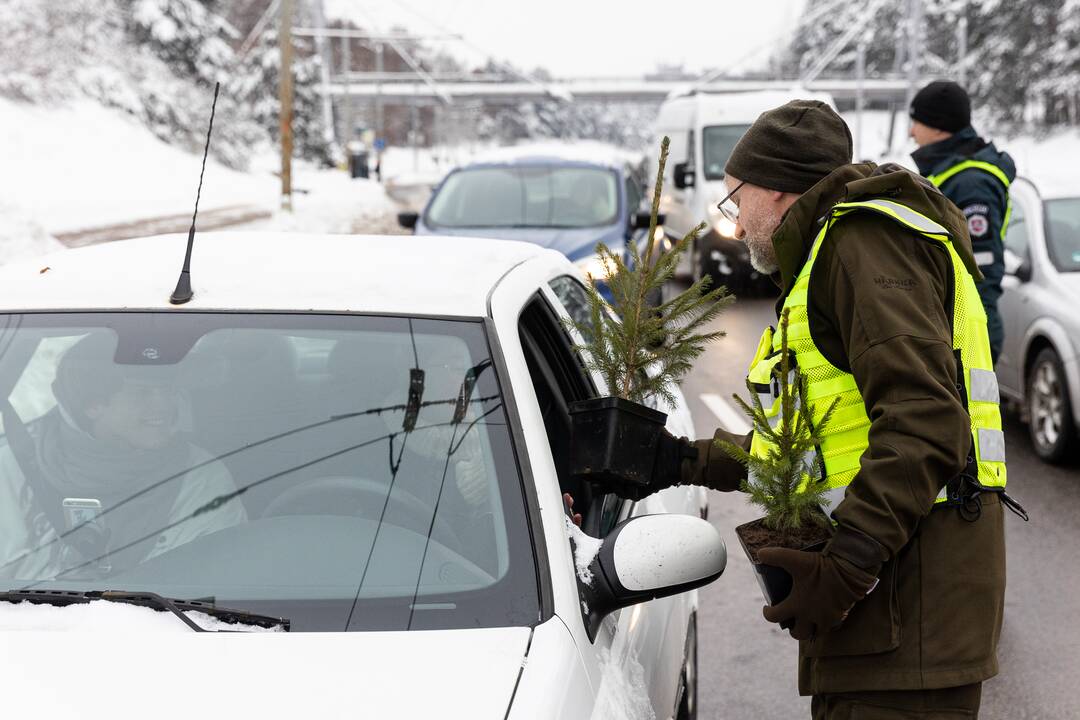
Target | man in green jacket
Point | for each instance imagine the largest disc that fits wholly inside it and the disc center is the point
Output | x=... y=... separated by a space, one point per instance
x=900 y=615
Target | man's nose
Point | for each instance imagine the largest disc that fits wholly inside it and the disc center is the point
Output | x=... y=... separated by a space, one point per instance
x=740 y=231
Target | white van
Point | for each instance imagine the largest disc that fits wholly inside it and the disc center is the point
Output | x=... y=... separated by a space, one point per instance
x=704 y=129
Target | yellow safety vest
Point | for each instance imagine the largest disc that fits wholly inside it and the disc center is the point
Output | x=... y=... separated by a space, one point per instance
x=939 y=179
x=844 y=439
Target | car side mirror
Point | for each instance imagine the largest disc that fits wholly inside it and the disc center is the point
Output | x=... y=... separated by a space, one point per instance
x=649 y=557
x=1017 y=266
x=640 y=220
x=684 y=176
x=408 y=219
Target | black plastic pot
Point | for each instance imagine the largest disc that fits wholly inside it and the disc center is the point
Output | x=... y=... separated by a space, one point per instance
x=614 y=441
x=775 y=582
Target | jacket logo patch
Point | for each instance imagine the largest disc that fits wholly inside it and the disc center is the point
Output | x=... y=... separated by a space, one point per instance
x=978 y=225
x=888 y=283
x=976 y=209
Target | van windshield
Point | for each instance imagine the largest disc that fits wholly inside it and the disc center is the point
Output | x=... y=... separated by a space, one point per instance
x=717 y=143
x=346 y=472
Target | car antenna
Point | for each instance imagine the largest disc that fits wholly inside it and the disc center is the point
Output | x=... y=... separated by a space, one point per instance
x=183 y=293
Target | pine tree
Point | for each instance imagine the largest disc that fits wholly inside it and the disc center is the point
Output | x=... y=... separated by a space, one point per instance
x=777 y=482
x=643 y=350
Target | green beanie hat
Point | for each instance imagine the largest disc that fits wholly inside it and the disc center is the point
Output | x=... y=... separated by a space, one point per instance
x=792 y=147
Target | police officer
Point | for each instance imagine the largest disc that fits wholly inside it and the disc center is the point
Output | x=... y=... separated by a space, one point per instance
x=972 y=173
x=900 y=614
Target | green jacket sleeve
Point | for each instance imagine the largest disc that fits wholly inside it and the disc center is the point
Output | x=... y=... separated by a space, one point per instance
x=881 y=309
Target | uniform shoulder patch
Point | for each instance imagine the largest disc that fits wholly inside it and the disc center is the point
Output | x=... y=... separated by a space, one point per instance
x=976 y=209
x=978 y=225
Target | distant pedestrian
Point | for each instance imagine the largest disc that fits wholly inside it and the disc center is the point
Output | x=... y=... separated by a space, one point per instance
x=972 y=173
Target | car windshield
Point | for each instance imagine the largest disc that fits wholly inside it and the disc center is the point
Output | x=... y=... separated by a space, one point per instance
x=1063 y=233
x=346 y=472
x=526 y=196
x=717 y=144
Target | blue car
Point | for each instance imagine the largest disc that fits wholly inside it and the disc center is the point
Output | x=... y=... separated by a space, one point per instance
x=553 y=198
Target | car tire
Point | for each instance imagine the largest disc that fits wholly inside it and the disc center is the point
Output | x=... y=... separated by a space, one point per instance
x=1049 y=409
x=689 y=679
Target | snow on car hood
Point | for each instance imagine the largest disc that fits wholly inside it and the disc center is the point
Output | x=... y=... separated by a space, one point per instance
x=128 y=661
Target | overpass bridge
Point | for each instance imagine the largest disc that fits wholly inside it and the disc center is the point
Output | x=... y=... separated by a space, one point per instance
x=407 y=88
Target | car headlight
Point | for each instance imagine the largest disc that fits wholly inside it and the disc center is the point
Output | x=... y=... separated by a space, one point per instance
x=595 y=268
x=723 y=226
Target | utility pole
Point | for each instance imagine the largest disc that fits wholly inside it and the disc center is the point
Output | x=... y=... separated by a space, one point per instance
x=346 y=71
x=285 y=97
x=962 y=50
x=914 y=47
x=324 y=73
x=379 y=129
x=860 y=99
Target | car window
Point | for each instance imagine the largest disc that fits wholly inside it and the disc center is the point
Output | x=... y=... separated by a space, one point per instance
x=1016 y=234
x=1063 y=233
x=344 y=472
x=633 y=195
x=526 y=196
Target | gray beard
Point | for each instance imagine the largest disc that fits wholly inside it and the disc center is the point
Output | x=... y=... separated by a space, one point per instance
x=765 y=266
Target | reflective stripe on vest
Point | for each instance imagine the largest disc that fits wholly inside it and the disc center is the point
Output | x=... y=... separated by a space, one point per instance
x=940 y=178
x=846 y=437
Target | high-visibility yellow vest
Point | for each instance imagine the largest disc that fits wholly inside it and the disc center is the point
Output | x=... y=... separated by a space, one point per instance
x=844 y=438
x=938 y=179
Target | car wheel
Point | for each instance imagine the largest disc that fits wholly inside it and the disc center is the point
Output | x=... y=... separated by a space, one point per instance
x=1050 y=420
x=688 y=703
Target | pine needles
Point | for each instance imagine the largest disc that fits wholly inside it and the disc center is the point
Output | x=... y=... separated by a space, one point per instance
x=644 y=350
x=784 y=483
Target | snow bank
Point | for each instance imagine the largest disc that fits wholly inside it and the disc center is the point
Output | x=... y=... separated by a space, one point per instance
x=108 y=617
x=82 y=165
x=1045 y=161
x=586 y=548
x=21 y=237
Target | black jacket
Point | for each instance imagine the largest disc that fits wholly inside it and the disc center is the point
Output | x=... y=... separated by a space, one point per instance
x=979 y=195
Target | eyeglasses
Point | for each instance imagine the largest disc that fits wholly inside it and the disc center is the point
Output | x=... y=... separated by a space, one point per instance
x=727 y=206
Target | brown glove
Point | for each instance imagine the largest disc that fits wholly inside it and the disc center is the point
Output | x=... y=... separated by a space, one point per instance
x=824 y=589
x=714 y=468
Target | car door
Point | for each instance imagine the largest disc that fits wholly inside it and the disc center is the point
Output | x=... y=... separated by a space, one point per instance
x=1014 y=303
x=647 y=640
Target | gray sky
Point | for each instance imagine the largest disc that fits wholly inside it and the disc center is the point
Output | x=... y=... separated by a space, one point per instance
x=591 y=37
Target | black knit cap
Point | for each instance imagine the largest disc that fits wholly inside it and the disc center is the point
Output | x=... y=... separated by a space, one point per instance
x=943 y=105
x=792 y=147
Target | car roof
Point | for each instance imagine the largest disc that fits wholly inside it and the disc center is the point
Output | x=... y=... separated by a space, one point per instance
x=557 y=153
x=430 y=275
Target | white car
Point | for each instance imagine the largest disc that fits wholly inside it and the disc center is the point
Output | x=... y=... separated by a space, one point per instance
x=361 y=445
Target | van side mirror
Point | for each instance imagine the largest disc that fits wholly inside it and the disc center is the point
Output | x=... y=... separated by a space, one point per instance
x=649 y=557
x=684 y=176
x=408 y=219
x=640 y=220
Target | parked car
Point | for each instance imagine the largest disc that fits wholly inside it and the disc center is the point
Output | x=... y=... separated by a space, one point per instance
x=562 y=196
x=1039 y=366
x=381 y=448
x=704 y=129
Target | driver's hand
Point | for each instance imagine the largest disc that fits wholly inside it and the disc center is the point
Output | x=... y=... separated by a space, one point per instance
x=569 y=500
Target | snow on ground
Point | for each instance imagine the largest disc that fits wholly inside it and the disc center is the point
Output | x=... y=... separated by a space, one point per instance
x=82 y=166
x=108 y=617
x=329 y=201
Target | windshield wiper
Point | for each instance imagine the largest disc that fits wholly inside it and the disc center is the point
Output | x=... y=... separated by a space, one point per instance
x=63 y=598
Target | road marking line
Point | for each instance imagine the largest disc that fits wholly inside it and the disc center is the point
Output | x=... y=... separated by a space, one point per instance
x=730 y=419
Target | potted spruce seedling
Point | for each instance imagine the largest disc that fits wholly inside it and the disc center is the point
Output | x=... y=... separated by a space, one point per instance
x=642 y=348
x=785 y=481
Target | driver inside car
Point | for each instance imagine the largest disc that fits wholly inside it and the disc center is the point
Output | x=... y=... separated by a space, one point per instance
x=106 y=480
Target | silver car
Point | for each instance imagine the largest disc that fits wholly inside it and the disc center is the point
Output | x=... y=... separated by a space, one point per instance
x=1040 y=308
